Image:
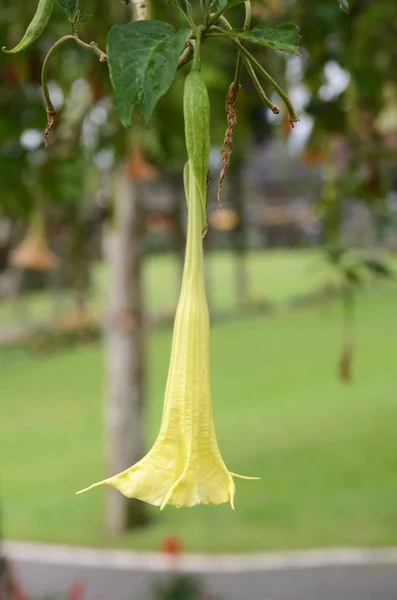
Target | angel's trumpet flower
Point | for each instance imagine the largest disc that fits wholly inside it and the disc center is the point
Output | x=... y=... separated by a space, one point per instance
x=33 y=252
x=184 y=466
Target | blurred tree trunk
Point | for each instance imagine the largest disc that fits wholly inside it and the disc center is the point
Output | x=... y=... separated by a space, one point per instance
x=125 y=349
x=125 y=336
x=81 y=276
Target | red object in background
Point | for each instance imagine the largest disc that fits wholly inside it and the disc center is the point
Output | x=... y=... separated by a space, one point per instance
x=286 y=125
x=96 y=92
x=11 y=76
x=77 y=591
x=95 y=79
x=159 y=222
x=137 y=167
x=171 y=546
x=9 y=587
x=313 y=155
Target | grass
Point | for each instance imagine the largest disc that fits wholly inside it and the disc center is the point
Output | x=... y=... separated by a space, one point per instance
x=326 y=453
x=273 y=277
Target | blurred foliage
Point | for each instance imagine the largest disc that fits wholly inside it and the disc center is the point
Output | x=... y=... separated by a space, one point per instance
x=25 y=167
x=363 y=46
x=88 y=134
x=86 y=124
x=179 y=587
x=351 y=270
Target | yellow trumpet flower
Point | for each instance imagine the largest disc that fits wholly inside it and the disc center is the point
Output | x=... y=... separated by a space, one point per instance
x=184 y=466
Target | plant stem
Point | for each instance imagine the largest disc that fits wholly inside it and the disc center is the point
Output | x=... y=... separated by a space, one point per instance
x=261 y=92
x=348 y=300
x=219 y=31
x=247 y=25
x=207 y=13
x=197 y=49
x=293 y=117
x=188 y=19
x=187 y=54
x=345 y=366
x=50 y=108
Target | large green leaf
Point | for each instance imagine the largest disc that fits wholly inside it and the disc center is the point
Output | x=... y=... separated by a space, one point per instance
x=344 y=5
x=285 y=37
x=143 y=58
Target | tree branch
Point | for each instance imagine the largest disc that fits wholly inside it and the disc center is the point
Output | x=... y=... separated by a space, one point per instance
x=139 y=7
x=186 y=55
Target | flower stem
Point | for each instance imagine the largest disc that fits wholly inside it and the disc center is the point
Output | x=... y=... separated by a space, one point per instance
x=197 y=49
x=261 y=92
x=247 y=25
x=227 y=30
x=50 y=108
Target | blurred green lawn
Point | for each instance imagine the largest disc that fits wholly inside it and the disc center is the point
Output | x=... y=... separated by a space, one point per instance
x=273 y=276
x=326 y=453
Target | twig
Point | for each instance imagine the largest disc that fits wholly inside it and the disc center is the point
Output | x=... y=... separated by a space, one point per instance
x=247 y=25
x=261 y=92
x=293 y=117
x=229 y=32
x=50 y=108
x=186 y=55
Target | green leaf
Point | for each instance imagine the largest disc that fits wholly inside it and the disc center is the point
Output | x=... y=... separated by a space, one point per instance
x=344 y=5
x=219 y=6
x=205 y=9
x=183 y=5
x=69 y=6
x=76 y=17
x=143 y=59
x=84 y=18
x=285 y=37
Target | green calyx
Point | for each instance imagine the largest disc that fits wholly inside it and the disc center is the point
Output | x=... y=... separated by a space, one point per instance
x=196 y=108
